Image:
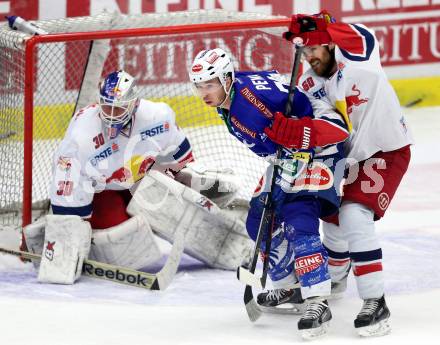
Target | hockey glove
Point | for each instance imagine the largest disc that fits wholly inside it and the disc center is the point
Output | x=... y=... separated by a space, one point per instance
x=311 y=28
x=298 y=134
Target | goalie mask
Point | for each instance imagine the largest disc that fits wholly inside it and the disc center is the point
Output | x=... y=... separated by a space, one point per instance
x=211 y=64
x=118 y=99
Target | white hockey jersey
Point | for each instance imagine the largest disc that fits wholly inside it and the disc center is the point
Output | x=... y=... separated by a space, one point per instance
x=87 y=162
x=360 y=91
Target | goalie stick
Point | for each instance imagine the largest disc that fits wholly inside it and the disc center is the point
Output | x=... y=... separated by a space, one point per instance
x=247 y=275
x=123 y=275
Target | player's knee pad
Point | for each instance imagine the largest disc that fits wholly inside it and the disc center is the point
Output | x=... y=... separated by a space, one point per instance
x=66 y=245
x=218 y=184
x=356 y=223
x=212 y=235
x=129 y=244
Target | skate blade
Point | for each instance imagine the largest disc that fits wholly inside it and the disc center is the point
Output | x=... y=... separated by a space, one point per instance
x=377 y=330
x=285 y=309
x=313 y=333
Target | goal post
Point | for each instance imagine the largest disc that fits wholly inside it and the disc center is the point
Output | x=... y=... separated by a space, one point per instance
x=45 y=79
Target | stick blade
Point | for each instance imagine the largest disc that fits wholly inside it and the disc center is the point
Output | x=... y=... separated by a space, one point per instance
x=252 y=308
x=248 y=278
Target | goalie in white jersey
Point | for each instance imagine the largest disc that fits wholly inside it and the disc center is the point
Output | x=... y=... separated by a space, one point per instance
x=107 y=150
x=346 y=72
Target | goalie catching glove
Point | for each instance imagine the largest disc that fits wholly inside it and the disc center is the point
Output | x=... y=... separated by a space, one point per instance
x=291 y=133
x=218 y=184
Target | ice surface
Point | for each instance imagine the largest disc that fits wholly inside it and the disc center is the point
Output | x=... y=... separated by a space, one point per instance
x=204 y=306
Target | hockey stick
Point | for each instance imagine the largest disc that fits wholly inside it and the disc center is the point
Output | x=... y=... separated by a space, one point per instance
x=252 y=308
x=123 y=275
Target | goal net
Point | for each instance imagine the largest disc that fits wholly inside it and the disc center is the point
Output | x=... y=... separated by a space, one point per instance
x=45 y=79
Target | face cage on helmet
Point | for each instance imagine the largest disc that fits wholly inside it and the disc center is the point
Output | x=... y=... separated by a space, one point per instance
x=109 y=118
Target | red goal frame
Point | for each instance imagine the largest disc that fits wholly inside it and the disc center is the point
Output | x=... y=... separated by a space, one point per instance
x=29 y=72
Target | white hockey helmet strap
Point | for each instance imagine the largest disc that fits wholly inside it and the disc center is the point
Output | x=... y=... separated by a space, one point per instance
x=211 y=64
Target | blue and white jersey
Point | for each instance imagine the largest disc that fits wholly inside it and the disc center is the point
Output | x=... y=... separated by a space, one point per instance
x=256 y=96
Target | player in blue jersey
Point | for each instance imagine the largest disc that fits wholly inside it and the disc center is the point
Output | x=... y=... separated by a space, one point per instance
x=251 y=105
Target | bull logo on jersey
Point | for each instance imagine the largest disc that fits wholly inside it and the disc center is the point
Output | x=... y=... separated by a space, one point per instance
x=49 y=251
x=120 y=175
x=354 y=100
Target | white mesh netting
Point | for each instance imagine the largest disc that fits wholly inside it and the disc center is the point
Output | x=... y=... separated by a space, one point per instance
x=159 y=62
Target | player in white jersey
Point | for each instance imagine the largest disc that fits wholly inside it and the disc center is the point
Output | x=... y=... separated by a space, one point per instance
x=346 y=72
x=107 y=150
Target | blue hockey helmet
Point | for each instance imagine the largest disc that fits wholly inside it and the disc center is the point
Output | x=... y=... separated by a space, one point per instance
x=118 y=99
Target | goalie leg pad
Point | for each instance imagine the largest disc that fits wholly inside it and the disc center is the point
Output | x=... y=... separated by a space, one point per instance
x=129 y=244
x=66 y=245
x=212 y=235
x=34 y=237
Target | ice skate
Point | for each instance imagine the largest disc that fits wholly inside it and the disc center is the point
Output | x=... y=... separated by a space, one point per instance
x=281 y=301
x=315 y=320
x=373 y=319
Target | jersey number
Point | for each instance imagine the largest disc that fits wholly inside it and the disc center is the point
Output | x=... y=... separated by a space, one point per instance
x=65 y=188
x=308 y=83
x=276 y=80
x=98 y=140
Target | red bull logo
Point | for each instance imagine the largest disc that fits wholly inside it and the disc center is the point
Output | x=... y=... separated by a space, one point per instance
x=49 y=251
x=120 y=175
x=205 y=203
x=116 y=92
x=145 y=166
x=354 y=100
